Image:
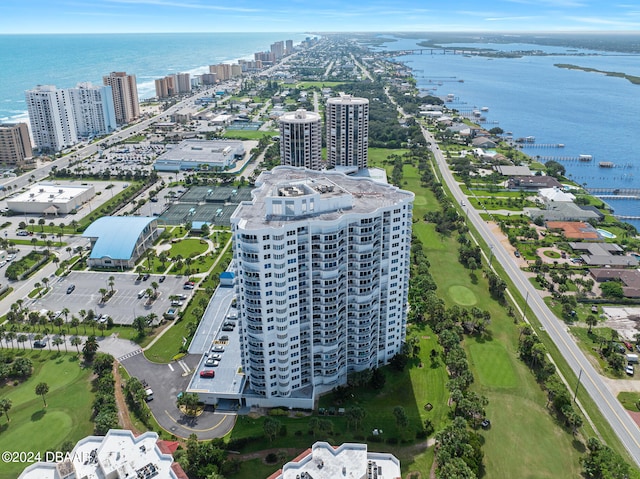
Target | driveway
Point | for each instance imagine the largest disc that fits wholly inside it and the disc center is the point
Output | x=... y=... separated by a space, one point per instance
x=167 y=380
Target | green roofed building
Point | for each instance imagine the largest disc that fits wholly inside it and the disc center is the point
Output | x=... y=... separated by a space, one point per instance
x=119 y=241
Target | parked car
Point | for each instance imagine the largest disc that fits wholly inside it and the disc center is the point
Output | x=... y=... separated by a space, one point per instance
x=146 y=276
x=628 y=345
x=223 y=338
x=212 y=363
x=161 y=279
x=207 y=374
x=187 y=286
x=227 y=328
x=176 y=302
x=629 y=370
x=215 y=357
x=40 y=343
x=217 y=349
x=70 y=288
x=142 y=293
x=23 y=233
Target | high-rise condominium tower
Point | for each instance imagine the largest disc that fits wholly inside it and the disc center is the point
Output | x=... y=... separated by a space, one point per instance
x=301 y=139
x=347 y=120
x=322 y=268
x=93 y=109
x=51 y=117
x=15 y=144
x=125 y=96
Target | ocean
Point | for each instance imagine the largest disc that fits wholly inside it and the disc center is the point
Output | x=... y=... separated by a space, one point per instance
x=589 y=113
x=65 y=60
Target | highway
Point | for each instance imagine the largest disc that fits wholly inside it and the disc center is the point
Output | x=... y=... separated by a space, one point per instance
x=620 y=421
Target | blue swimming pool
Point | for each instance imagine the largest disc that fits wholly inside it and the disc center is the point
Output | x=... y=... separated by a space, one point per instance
x=605 y=233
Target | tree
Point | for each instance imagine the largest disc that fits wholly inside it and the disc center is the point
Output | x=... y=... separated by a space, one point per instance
x=271 y=427
x=355 y=415
x=612 y=289
x=57 y=341
x=140 y=324
x=41 y=390
x=378 y=379
x=190 y=403
x=103 y=294
x=75 y=322
x=5 y=407
x=102 y=363
x=76 y=341
x=90 y=348
x=112 y=281
x=22 y=338
x=402 y=421
x=591 y=321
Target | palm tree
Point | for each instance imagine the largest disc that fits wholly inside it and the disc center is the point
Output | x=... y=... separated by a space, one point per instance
x=83 y=319
x=75 y=322
x=112 y=281
x=69 y=249
x=154 y=285
x=90 y=348
x=22 y=338
x=76 y=341
x=65 y=312
x=5 y=406
x=57 y=341
x=103 y=294
x=41 y=390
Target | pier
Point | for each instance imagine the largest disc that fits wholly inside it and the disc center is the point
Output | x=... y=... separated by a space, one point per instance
x=561 y=158
x=615 y=192
x=539 y=145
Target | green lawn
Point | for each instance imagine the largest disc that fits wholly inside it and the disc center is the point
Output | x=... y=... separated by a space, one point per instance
x=169 y=344
x=248 y=134
x=67 y=416
x=516 y=402
x=188 y=247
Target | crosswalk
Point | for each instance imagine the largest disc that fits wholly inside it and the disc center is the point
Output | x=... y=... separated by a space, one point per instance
x=130 y=355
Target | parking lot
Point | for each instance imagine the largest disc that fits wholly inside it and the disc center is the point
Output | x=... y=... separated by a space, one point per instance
x=125 y=305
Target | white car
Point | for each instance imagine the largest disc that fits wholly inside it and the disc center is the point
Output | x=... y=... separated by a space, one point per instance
x=629 y=370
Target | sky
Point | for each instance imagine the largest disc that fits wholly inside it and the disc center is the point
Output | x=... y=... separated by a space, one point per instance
x=133 y=16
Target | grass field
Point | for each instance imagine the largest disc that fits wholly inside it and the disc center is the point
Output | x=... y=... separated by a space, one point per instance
x=516 y=403
x=67 y=416
x=188 y=247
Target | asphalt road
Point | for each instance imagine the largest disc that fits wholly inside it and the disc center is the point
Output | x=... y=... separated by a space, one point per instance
x=620 y=421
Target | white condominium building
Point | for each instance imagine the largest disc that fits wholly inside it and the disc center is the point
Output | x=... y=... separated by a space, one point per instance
x=93 y=110
x=125 y=96
x=301 y=139
x=322 y=267
x=347 y=122
x=51 y=117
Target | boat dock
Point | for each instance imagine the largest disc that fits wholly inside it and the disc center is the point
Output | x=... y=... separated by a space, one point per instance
x=561 y=158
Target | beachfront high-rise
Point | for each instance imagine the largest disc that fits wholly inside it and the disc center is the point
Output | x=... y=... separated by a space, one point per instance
x=15 y=144
x=347 y=123
x=93 y=110
x=301 y=139
x=51 y=117
x=125 y=96
x=322 y=268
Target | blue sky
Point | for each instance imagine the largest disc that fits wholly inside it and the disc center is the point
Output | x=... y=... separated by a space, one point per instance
x=115 y=16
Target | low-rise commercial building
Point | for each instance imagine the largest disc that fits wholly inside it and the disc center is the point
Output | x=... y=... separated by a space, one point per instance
x=119 y=241
x=51 y=198
x=214 y=155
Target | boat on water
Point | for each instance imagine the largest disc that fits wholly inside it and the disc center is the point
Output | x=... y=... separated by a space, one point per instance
x=585 y=157
x=606 y=164
x=526 y=139
x=484 y=108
